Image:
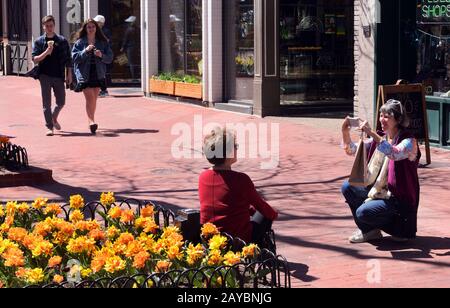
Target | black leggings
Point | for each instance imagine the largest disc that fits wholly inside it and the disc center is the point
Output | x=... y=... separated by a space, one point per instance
x=261 y=226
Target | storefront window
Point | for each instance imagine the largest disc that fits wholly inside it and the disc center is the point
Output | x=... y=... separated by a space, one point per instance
x=317 y=64
x=433 y=52
x=123 y=30
x=181 y=48
x=72 y=18
x=240 y=49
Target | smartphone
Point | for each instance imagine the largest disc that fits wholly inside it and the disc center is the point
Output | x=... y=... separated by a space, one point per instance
x=354 y=122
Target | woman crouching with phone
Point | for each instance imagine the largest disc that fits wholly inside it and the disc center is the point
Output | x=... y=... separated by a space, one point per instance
x=390 y=202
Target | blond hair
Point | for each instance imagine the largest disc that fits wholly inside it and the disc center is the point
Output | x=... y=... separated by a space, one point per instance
x=219 y=145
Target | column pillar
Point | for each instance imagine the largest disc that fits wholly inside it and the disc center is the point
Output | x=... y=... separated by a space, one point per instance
x=35 y=20
x=90 y=9
x=5 y=19
x=267 y=58
x=212 y=51
x=149 y=41
x=53 y=8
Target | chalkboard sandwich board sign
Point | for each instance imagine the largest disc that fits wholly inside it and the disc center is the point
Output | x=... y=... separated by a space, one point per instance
x=412 y=97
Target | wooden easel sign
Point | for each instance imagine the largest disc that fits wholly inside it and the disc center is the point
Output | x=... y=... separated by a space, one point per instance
x=412 y=97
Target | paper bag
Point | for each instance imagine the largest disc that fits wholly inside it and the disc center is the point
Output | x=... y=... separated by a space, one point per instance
x=122 y=59
x=358 y=177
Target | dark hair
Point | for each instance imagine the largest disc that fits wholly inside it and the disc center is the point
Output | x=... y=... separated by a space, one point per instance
x=99 y=35
x=395 y=109
x=47 y=19
x=219 y=145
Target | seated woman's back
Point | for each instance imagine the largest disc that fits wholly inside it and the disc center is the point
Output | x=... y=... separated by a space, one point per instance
x=228 y=199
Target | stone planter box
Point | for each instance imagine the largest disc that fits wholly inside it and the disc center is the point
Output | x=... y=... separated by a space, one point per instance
x=191 y=90
x=162 y=86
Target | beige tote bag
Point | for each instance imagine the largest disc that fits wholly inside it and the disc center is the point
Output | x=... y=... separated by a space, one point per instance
x=358 y=177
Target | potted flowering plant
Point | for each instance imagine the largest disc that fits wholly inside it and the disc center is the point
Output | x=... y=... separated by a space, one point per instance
x=245 y=66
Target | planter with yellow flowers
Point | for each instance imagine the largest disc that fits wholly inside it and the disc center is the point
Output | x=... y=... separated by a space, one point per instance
x=124 y=244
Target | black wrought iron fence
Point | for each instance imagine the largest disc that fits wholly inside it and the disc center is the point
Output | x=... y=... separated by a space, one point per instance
x=273 y=272
x=13 y=157
x=19 y=57
x=163 y=217
x=267 y=270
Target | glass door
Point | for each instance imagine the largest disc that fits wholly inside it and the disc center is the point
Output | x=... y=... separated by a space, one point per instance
x=18 y=21
x=239 y=49
x=71 y=17
x=123 y=27
x=316 y=52
x=181 y=37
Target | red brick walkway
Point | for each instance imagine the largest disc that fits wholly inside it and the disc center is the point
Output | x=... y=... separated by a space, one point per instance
x=132 y=156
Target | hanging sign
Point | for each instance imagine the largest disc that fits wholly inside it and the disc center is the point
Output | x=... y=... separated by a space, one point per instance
x=433 y=12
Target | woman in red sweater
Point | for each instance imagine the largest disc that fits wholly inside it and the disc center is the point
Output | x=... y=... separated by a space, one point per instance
x=228 y=198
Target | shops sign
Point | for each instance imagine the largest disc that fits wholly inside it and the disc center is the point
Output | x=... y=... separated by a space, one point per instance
x=433 y=12
x=74 y=12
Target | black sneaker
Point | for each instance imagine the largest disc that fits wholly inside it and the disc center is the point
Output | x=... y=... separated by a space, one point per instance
x=104 y=94
x=94 y=128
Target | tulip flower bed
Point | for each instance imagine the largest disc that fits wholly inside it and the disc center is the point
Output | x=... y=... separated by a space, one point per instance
x=126 y=244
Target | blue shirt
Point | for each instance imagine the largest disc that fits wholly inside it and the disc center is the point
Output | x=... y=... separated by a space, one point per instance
x=81 y=59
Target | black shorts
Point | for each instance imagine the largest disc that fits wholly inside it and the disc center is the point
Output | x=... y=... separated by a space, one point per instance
x=90 y=84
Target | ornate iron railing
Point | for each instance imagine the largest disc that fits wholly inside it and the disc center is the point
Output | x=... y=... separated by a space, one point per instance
x=163 y=217
x=268 y=271
x=19 y=57
x=13 y=157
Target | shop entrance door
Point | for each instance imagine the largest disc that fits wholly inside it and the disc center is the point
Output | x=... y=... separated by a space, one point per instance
x=18 y=34
x=396 y=50
x=240 y=50
x=123 y=27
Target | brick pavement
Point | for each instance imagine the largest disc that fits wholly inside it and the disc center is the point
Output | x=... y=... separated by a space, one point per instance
x=132 y=156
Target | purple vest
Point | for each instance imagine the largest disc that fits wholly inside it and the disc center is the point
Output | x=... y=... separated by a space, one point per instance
x=403 y=183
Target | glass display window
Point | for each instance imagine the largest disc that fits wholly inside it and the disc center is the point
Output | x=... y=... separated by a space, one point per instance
x=181 y=42
x=72 y=18
x=433 y=54
x=316 y=52
x=239 y=17
x=122 y=28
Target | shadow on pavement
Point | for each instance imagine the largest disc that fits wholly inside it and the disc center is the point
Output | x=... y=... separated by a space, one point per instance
x=110 y=133
x=64 y=192
x=300 y=271
x=423 y=247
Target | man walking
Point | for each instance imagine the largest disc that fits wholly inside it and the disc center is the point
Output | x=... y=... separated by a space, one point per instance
x=52 y=53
